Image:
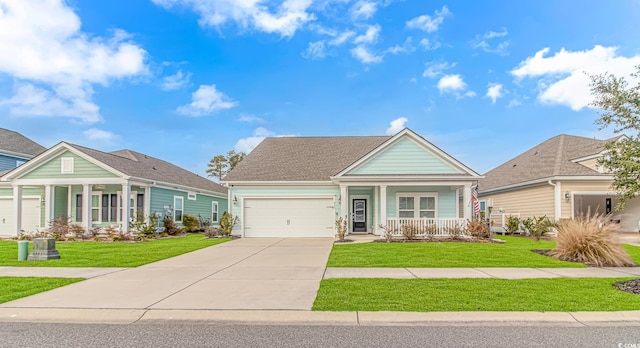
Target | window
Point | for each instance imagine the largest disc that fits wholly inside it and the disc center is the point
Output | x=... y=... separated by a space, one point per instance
x=95 y=207
x=191 y=196
x=178 y=208
x=79 y=208
x=214 y=211
x=110 y=207
x=66 y=165
x=405 y=207
x=417 y=205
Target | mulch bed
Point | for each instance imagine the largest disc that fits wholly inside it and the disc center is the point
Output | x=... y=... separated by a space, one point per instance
x=631 y=286
x=438 y=240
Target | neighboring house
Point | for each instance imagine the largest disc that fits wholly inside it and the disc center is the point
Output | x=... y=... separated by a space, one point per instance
x=16 y=149
x=88 y=186
x=299 y=186
x=559 y=178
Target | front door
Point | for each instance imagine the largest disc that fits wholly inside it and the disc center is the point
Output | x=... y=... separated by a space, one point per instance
x=359 y=215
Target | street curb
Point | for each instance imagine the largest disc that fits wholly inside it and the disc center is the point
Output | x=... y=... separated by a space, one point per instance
x=288 y=317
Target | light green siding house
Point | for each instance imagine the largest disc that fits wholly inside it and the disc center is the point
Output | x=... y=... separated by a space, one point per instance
x=99 y=189
x=299 y=186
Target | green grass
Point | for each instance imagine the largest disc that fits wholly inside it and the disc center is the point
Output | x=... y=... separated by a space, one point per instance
x=516 y=252
x=102 y=254
x=438 y=295
x=17 y=287
x=634 y=252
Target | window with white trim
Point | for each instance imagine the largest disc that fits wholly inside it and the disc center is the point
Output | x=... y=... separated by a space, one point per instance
x=214 y=211
x=417 y=205
x=66 y=165
x=191 y=196
x=178 y=208
x=95 y=207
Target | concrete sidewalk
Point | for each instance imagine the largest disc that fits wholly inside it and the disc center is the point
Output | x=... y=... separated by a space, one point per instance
x=495 y=272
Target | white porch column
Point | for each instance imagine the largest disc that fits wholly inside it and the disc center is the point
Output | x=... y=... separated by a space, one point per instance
x=147 y=203
x=49 y=214
x=383 y=205
x=466 y=200
x=344 y=201
x=86 y=207
x=126 y=207
x=376 y=204
x=17 y=209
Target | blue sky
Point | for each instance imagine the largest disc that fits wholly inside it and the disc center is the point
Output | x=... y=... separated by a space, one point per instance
x=184 y=80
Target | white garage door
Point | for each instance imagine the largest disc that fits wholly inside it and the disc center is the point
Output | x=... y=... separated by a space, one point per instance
x=290 y=217
x=30 y=215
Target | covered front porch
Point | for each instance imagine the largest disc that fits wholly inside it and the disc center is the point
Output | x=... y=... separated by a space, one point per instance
x=420 y=208
x=89 y=203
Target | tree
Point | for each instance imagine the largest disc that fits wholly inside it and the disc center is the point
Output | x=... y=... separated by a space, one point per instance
x=620 y=105
x=220 y=165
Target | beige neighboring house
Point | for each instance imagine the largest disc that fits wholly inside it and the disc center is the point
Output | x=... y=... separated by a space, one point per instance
x=559 y=178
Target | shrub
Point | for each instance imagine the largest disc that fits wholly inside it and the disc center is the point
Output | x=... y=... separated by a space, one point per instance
x=388 y=232
x=140 y=226
x=538 y=226
x=227 y=222
x=409 y=230
x=430 y=231
x=111 y=230
x=456 y=232
x=513 y=224
x=204 y=222
x=59 y=227
x=170 y=227
x=590 y=240
x=211 y=232
x=341 y=227
x=191 y=223
x=478 y=229
x=77 y=231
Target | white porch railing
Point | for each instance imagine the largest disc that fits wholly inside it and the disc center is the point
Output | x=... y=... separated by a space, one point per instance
x=426 y=228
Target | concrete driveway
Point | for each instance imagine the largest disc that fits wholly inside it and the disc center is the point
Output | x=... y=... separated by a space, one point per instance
x=248 y=273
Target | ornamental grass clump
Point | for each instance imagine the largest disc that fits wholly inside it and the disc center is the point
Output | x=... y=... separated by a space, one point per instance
x=590 y=240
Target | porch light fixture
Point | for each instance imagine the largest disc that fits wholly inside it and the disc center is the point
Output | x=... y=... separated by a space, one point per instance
x=567 y=196
x=98 y=187
x=235 y=200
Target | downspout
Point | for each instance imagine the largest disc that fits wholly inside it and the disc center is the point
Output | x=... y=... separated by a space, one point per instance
x=557 y=192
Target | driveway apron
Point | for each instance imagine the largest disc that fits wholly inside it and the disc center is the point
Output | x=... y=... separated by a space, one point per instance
x=247 y=273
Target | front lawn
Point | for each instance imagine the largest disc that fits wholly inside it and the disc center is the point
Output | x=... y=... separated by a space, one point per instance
x=516 y=252
x=117 y=254
x=17 y=287
x=445 y=295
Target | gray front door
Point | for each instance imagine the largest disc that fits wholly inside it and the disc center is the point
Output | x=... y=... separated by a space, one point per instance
x=359 y=223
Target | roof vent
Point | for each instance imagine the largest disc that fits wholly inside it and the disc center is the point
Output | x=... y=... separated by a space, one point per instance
x=514 y=165
x=154 y=168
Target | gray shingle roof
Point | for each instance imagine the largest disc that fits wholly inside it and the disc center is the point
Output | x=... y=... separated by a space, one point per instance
x=18 y=143
x=552 y=157
x=142 y=166
x=303 y=158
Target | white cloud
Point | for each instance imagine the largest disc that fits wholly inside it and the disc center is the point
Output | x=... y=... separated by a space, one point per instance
x=54 y=64
x=428 y=45
x=363 y=9
x=98 y=134
x=363 y=54
x=342 y=38
x=514 y=103
x=454 y=84
x=396 y=125
x=247 y=118
x=371 y=35
x=315 y=50
x=563 y=77
x=433 y=69
x=429 y=23
x=486 y=42
x=175 y=81
x=206 y=100
x=494 y=91
x=284 y=19
x=406 y=47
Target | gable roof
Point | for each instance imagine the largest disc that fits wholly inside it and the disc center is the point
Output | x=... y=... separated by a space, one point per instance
x=134 y=164
x=14 y=143
x=302 y=158
x=551 y=158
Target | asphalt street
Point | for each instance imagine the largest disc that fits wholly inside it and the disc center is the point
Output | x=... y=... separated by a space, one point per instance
x=202 y=334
